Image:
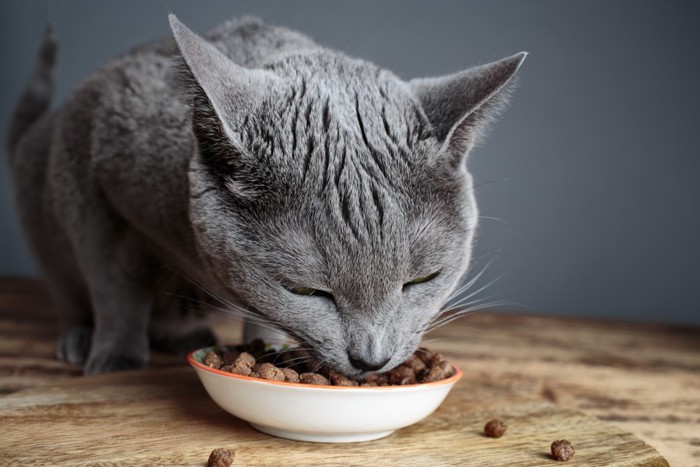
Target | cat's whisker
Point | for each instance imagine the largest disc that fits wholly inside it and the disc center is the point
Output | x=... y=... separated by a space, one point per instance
x=465 y=302
x=442 y=340
x=457 y=293
x=447 y=316
x=432 y=340
x=211 y=310
x=319 y=364
x=482 y=288
x=490 y=218
x=469 y=283
x=458 y=314
x=489 y=182
x=460 y=306
x=298 y=361
x=479 y=303
x=235 y=312
x=243 y=315
x=247 y=314
x=295 y=348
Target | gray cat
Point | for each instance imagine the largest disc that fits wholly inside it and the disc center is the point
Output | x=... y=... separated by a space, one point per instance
x=313 y=192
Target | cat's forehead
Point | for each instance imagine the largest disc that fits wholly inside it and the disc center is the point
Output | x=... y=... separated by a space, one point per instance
x=341 y=81
x=353 y=147
x=331 y=120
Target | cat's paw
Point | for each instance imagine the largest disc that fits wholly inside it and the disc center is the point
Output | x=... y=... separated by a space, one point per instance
x=183 y=344
x=74 y=345
x=107 y=363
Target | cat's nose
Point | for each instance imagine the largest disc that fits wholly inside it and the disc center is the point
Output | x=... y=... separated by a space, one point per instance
x=365 y=365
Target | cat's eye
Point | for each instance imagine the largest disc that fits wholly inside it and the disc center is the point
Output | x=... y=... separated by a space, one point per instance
x=309 y=291
x=421 y=280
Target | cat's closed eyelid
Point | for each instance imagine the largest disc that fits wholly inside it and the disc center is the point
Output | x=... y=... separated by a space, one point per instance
x=309 y=292
x=421 y=280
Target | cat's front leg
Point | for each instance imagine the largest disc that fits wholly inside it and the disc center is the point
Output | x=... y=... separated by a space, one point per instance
x=120 y=337
x=120 y=280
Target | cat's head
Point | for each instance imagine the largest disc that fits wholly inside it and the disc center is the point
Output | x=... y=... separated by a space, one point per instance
x=333 y=198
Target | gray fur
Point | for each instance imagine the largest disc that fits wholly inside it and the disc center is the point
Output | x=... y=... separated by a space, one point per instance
x=258 y=163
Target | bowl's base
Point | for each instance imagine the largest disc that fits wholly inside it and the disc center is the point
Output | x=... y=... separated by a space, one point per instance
x=322 y=437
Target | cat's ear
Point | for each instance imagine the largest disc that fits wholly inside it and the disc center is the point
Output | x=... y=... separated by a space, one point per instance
x=231 y=90
x=223 y=94
x=460 y=106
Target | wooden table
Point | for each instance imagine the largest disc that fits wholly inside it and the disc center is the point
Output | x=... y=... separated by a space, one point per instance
x=607 y=386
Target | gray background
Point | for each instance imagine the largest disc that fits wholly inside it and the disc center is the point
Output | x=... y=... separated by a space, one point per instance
x=589 y=184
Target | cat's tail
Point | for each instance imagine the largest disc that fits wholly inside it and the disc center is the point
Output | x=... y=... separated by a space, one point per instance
x=37 y=95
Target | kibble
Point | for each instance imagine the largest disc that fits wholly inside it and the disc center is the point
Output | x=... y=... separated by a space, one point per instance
x=221 y=457
x=495 y=428
x=338 y=379
x=402 y=374
x=415 y=363
x=313 y=378
x=212 y=360
x=294 y=366
x=269 y=371
x=242 y=370
x=446 y=367
x=290 y=375
x=379 y=379
x=245 y=359
x=433 y=373
x=429 y=357
x=562 y=450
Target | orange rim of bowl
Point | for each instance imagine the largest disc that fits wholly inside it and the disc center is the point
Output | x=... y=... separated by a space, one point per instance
x=452 y=379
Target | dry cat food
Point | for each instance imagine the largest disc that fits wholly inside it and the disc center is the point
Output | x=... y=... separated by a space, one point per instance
x=221 y=457
x=296 y=366
x=562 y=450
x=495 y=428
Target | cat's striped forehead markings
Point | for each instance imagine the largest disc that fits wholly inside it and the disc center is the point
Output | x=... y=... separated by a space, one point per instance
x=349 y=171
x=345 y=136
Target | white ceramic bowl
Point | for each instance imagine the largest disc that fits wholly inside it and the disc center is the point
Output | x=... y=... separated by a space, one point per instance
x=328 y=414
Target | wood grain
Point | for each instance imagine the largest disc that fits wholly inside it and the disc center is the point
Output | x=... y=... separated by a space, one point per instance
x=632 y=381
x=164 y=417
